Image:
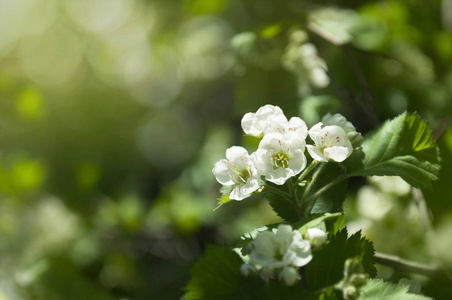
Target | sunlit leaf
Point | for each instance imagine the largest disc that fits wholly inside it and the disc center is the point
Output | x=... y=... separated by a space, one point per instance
x=402 y=147
x=377 y=289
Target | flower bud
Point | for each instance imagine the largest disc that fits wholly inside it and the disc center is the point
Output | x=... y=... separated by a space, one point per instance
x=316 y=236
x=289 y=275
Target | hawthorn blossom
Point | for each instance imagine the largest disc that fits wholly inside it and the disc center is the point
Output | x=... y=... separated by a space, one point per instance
x=281 y=251
x=238 y=171
x=280 y=156
x=331 y=143
x=294 y=125
x=258 y=123
x=339 y=120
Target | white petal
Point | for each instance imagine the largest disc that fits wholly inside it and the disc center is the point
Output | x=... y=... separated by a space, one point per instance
x=288 y=258
x=262 y=161
x=220 y=170
x=298 y=126
x=271 y=141
x=251 y=185
x=304 y=255
x=242 y=191
x=268 y=111
x=297 y=162
x=247 y=124
x=234 y=153
x=315 y=153
x=337 y=153
x=315 y=131
x=278 y=176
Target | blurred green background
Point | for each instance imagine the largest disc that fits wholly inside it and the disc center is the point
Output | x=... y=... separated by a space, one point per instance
x=113 y=112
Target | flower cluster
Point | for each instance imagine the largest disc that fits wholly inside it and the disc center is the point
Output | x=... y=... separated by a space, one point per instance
x=281 y=151
x=280 y=252
x=301 y=58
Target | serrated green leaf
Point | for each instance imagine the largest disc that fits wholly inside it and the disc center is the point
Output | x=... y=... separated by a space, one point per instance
x=281 y=203
x=402 y=147
x=335 y=225
x=332 y=199
x=377 y=289
x=327 y=265
x=214 y=274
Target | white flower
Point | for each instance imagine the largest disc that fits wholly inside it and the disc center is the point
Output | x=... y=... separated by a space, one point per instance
x=268 y=116
x=302 y=59
x=281 y=251
x=331 y=143
x=238 y=171
x=316 y=236
x=280 y=156
x=339 y=120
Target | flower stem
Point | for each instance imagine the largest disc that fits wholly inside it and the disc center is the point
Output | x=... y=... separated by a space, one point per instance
x=404 y=265
x=322 y=190
x=305 y=172
x=294 y=197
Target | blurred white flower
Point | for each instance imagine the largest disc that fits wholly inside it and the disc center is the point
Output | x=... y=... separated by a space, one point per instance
x=339 y=120
x=281 y=251
x=302 y=59
x=316 y=236
x=331 y=143
x=238 y=171
x=280 y=156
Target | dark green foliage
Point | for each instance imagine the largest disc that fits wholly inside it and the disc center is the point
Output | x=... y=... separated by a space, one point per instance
x=326 y=268
x=281 y=204
x=251 y=288
x=331 y=200
x=214 y=275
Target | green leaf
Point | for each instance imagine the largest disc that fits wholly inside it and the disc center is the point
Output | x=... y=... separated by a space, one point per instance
x=280 y=201
x=330 y=200
x=335 y=225
x=215 y=274
x=377 y=289
x=256 y=288
x=327 y=265
x=402 y=147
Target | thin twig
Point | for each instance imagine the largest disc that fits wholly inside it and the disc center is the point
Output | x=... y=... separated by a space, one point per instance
x=404 y=265
x=294 y=193
x=324 y=189
x=305 y=172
